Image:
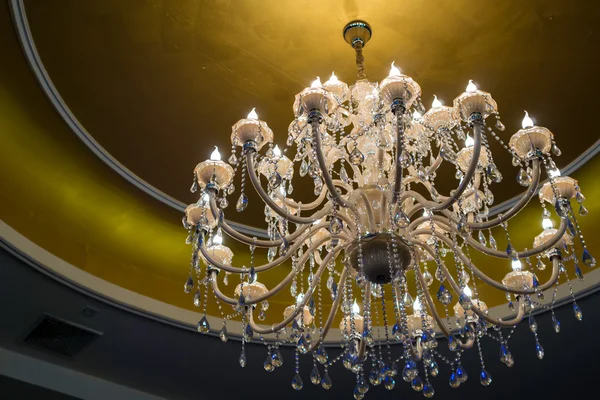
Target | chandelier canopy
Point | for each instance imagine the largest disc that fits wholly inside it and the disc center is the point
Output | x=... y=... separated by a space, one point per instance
x=378 y=225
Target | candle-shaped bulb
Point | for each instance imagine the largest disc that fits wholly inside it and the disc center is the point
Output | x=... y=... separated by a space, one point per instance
x=471 y=86
x=394 y=71
x=316 y=83
x=417 y=115
x=218 y=238
x=516 y=265
x=333 y=79
x=355 y=308
x=417 y=305
x=252 y=114
x=276 y=152
x=527 y=122
x=467 y=291
x=436 y=102
x=215 y=155
x=469 y=142
x=547 y=223
x=299 y=298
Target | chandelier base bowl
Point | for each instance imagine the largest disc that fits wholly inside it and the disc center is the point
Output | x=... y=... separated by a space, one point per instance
x=375 y=260
x=357 y=31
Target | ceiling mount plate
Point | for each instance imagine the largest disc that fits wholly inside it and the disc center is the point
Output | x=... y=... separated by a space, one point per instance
x=357 y=31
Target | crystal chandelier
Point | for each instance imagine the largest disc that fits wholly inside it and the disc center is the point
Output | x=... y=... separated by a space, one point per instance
x=378 y=226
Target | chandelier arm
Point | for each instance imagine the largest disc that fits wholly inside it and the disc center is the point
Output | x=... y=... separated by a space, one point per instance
x=369 y=208
x=430 y=304
x=398 y=111
x=217 y=291
x=435 y=165
x=315 y=123
x=332 y=312
x=514 y=210
x=299 y=306
x=485 y=278
x=477 y=132
x=267 y=199
x=314 y=204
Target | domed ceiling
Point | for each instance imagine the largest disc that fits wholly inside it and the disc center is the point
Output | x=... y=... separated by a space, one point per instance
x=157 y=83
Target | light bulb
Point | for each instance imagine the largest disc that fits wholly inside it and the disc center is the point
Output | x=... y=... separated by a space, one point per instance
x=394 y=71
x=527 y=122
x=333 y=79
x=554 y=172
x=547 y=223
x=276 y=151
x=471 y=86
x=355 y=308
x=436 y=102
x=252 y=114
x=469 y=142
x=516 y=265
x=417 y=305
x=316 y=83
x=218 y=238
x=417 y=115
x=426 y=213
x=215 y=155
x=467 y=291
x=299 y=298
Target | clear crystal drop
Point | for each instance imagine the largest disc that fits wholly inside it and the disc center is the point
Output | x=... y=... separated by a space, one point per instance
x=461 y=373
x=405 y=159
x=226 y=279
x=421 y=173
x=190 y=238
x=453 y=381
x=242 y=203
x=389 y=382
x=203 y=325
x=493 y=242
x=539 y=351
x=242 y=359
x=515 y=161
x=304 y=168
x=277 y=358
x=482 y=238
x=315 y=377
x=499 y=125
x=223 y=334
x=356 y=157
x=458 y=174
x=533 y=326
x=444 y=296
x=417 y=384
x=268 y=364
x=448 y=154
x=555 y=324
x=318 y=186
x=197 y=298
x=428 y=278
x=223 y=203
x=587 y=258
x=335 y=225
x=248 y=333
x=408 y=300
x=555 y=150
x=428 y=390
x=374 y=377
x=321 y=354
x=439 y=275
x=583 y=211
x=232 y=159
x=293 y=289
x=271 y=253
x=540 y=265
x=383 y=184
x=578 y=273
x=485 y=378
x=577 y=311
x=189 y=285
x=230 y=189
x=523 y=178
x=344 y=175
x=275 y=180
x=464 y=277
x=401 y=219
x=326 y=381
x=194 y=187
x=262 y=316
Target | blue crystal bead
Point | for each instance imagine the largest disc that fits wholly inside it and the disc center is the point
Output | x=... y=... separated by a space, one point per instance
x=556 y=324
x=571 y=228
x=461 y=374
x=389 y=382
x=577 y=311
x=297 y=382
x=453 y=381
x=539 y=350
x=485 y=378
x=417 y=384
x=444 y=296
x=428 y=390
x=587 y=258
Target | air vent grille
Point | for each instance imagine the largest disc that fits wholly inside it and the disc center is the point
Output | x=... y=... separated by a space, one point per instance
x=60 y=337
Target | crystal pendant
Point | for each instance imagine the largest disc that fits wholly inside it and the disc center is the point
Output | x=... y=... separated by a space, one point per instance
x=533 y=326
x=515 y=162
x=275 y=180
x=583 y=211
x=453 y=381
x=578 y=273
x=374 y=377
x=248 y=333
x=189 y=284
x=434 y=368
x=315 y=377
x=499 y=125
x=326 y=381
x=232 y=159
x=555 y=150
x=444 y=296
x=203 y=325
x=321 y=354
x=408 y=300
x=268 y=364
x=294 y=289
x=356 y=157
x=242 y=203
x=465 y=301
x=428 y=278
x=197 y=298
x=510 y=251
x=242 y=359
x=271 y=254
x=223 y=203
x=223 y=334
x=397 y=332
x=453 y=344
x=493 y=243
x=485 y=378
x=318 y=186
x=405 y=159
x=335 y=225
x=428 y=390
x=540 y=265
x=523 y=178
x=482 y=238
x=194 y=187
x=461 y=374
x=587 y=258
x=230 y=189
x=539 y=350
x=304 y=168
x=555 y=324
x=389 y=382
x=417 y=384
x=447 y=154
x=401 y=219
x=344 y=175
x=577 y=311
x=439 y=275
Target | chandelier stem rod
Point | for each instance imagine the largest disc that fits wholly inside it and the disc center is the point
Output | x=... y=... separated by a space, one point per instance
x=332 y=312
x=335 y=194
x=299 y=306
x=360 y=60
x=398 y=112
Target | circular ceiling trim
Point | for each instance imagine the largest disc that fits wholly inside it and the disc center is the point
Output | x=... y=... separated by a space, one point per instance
x=26 y=40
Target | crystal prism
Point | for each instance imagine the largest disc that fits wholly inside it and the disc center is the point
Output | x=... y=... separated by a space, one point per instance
x=242 y=203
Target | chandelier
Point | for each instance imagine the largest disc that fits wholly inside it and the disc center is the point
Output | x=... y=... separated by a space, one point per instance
x=379 y=232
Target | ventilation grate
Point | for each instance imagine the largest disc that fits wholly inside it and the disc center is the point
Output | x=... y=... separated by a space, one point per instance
x=60 y=337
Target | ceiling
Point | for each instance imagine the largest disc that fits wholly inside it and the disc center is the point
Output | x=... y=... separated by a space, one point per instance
x=132 y=73
x=158 y=83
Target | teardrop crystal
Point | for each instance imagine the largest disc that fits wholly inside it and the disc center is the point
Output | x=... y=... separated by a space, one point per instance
x=242 y=203
x=405 y=159
x=242 y=359
x=326 y=381
x=356 y=157
x=203 y=325
x=315 y=377
x=223 y=334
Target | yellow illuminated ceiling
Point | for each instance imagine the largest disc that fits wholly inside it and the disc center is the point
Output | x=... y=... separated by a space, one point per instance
x=155 y=81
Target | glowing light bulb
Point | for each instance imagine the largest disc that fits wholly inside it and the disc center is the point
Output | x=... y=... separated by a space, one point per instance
x=394 y=71
x=467 y=291
x=527 y=122
x=276 y=151
x=252 y=114
x=547 y=223
x=215 y=155
x=471 y=86
x=333 y=79
x=469 y=142
x=316 y=83
x=355 y=308
x=218 y=238
x=436 y=102
x=417 y=305
x=516 y=265
x=300 y=298
x=417 y=115
x=554 y=172
x=426 y=213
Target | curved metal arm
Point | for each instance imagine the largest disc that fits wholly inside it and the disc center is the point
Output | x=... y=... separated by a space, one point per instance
x=323 y=165
x=315 y=203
